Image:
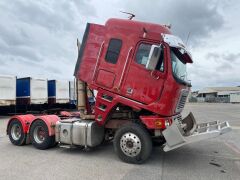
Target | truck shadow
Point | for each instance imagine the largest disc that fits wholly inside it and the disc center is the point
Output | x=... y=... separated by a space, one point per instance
x=186 y=155
x=106 y=152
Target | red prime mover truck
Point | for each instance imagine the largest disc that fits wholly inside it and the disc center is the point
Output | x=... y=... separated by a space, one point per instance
x=137 y=71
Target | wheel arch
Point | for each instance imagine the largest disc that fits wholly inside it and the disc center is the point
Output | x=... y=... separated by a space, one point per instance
x=25 y=121
x=112 y=123
x=147 y=121
x=49 y=120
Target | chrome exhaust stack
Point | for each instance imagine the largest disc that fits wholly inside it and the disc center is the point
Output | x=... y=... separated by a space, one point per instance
x=186 y=131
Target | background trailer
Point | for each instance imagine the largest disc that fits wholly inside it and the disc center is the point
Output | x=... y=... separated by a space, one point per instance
x=58 y=92
x=31 y=91
x=7 y=90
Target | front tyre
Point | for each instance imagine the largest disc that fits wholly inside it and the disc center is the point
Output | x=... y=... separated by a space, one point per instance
x=132 y=143
x=15 y=133
x=39 y=135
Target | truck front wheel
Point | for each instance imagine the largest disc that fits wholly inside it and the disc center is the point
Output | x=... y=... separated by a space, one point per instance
x=132 y=143
x=39 y=135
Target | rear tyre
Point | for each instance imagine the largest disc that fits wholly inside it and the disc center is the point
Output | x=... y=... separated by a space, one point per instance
x=132 y=143
x=39 y=135
x=16 y=134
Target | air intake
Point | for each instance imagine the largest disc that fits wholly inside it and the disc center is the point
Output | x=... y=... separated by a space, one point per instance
x=182 y=100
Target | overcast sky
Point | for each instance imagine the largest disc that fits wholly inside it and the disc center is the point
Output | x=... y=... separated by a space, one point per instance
x=38 y=38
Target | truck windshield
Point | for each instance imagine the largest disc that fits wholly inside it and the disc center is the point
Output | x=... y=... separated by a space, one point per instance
x=178 y=65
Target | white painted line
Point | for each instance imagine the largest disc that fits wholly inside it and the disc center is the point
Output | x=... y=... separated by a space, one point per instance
x=232 y=147
x=235 y=127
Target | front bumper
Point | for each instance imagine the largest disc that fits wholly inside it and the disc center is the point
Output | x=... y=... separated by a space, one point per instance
x=175 y=136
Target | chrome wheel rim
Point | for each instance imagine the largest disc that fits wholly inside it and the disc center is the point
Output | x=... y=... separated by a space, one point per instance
x=130 y=144
x=39 y=134
x=16 y=132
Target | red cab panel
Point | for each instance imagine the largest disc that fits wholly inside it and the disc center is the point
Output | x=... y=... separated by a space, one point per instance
x=105 y=78
x=91 y=43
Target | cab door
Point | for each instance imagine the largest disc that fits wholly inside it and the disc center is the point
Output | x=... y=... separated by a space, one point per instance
x=144 y=85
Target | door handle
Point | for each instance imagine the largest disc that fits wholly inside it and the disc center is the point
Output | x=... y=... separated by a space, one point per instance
x=129 y=90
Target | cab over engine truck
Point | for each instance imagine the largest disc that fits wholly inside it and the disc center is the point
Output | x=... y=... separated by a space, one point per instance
x=138 y=70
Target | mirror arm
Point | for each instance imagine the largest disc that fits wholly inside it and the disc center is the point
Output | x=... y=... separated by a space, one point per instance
x=155 y=77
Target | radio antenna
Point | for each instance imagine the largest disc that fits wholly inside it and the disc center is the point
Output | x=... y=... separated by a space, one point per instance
x=131 y=15
x=78 y=44
x=188 y=37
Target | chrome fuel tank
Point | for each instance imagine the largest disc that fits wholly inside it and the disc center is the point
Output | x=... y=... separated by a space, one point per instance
x=79 y=132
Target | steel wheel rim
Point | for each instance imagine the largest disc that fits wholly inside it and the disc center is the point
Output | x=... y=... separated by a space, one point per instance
x=130 y=144
x=16 y=132
x=39 y=134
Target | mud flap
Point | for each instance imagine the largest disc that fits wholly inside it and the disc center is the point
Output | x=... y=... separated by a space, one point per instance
x=176 y=137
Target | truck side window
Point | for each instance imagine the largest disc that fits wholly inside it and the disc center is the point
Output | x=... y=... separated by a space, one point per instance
x=113 y=51
x=143 y=53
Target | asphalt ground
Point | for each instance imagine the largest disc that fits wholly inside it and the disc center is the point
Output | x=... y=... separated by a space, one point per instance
x=217 y=158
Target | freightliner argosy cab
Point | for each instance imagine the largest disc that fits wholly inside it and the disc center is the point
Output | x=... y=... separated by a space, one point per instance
x=142 y=66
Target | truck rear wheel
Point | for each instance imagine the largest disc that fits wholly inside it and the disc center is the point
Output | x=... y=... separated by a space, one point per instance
x=15 y=133
x=132 y=143
x=40 y=136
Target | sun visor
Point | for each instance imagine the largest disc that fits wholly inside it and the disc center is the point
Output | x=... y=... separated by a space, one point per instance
x=176 y=42
x=187 y=57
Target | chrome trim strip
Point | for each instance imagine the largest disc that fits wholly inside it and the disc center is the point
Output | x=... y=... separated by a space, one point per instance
x=131 y=100
x=124 y=68
x=97 y=62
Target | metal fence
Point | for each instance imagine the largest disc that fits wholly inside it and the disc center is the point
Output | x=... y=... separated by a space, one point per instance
x=210 y=99
x=218 y=99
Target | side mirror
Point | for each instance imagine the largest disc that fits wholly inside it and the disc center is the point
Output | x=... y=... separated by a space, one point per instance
x=153 y=57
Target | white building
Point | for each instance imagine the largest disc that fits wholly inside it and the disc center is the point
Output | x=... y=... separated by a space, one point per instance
x=235 y=98
x=214 y=94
